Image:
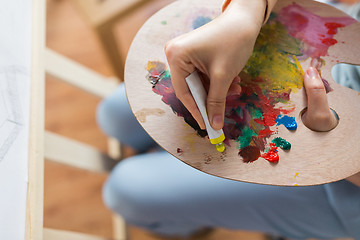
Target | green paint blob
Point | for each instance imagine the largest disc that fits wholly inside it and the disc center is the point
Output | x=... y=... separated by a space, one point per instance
x=246 y=136
x=255 y=112
x=163 y=22
x=280 y=142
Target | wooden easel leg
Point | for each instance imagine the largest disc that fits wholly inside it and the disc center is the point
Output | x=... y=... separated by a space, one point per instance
x=109 y=42
x=114 y=149
x=119 y=228
x=52 y=234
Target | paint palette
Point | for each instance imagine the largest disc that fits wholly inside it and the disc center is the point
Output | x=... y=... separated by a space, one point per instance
x=265 y=118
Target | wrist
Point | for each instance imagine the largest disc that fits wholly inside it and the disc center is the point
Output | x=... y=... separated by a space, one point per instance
x=255 y=10
x=246 y=14
x=269 y=5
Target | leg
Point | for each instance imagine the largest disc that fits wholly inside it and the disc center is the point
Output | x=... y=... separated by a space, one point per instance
x=341 y=194
x=115 y=118
x=347 y=75
x=158 y=192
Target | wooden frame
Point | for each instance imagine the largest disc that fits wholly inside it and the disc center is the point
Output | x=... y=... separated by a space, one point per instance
x=70 y=72
x=34 y=214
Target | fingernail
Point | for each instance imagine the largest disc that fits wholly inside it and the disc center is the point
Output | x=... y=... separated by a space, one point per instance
x=217 y=122
x=313 y=73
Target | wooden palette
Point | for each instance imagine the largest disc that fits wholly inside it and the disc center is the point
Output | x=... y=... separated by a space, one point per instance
x=315 y=157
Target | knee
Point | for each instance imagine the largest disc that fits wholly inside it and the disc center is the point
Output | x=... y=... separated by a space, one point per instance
x=114 y=112
x=105 y=118
x=347 y=75
x=116 y=119
x=115 y=198
x=124 y=192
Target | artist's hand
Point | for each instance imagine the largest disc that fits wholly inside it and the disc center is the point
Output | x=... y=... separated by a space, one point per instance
x=220 y=50
x=318 y=116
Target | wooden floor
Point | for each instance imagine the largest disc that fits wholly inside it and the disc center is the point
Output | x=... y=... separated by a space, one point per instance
x=73 y=197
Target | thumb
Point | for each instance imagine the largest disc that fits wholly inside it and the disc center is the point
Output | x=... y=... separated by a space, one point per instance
x=318 y=116
x=216 y=100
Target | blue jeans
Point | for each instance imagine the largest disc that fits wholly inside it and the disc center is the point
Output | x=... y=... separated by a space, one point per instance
x=157 y=192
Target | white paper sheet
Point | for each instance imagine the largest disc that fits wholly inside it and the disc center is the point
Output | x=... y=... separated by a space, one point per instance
x=15 y=65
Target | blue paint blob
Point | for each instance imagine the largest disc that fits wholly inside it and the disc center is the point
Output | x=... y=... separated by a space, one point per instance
x=200 y=21
x=288 y=122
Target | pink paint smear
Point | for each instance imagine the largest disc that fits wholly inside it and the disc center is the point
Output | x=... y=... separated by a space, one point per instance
x=315 y=31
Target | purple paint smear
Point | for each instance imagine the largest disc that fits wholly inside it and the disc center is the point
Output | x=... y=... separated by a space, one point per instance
x=165 y=89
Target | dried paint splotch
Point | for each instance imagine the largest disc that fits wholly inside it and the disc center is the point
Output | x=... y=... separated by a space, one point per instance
x=272 y=73
x=198 y=17
x=195 y=18
x=143 y=113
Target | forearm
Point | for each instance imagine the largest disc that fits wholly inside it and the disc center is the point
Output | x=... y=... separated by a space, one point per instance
x=260 y=9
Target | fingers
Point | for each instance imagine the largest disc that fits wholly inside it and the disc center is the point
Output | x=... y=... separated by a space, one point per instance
x=180 y=69
x=216 y=99
x=316 y=93
x=318 y=116
x=235 y=88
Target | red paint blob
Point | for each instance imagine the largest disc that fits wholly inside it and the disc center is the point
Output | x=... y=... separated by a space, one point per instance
x=265 y=132
x=329 y=41
x=333 y=26
x=249 y=154
x=272 y=155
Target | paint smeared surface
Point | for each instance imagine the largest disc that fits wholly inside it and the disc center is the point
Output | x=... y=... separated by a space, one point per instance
x=272 y=73
x=316 y=32
x=158 y=71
